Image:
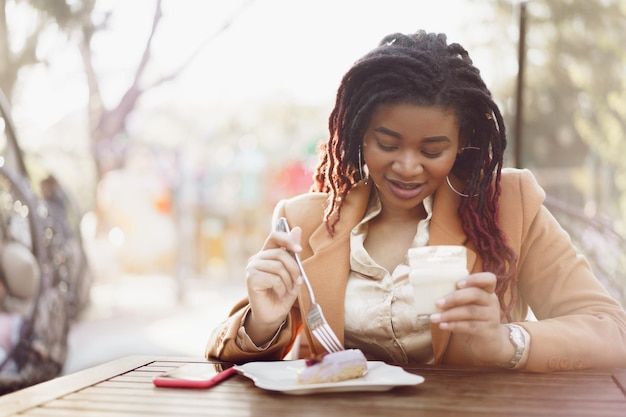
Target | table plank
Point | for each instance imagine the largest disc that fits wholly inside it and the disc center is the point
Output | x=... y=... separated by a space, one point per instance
x=327 y=404
x=417 y=400
x=49 y=390
x=126 y=389
x=619 y=375
x=545 y=386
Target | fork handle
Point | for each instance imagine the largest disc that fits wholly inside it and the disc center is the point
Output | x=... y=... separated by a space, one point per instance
x=283 y=226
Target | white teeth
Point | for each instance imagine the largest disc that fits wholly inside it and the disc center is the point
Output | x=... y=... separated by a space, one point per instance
x=407 y=186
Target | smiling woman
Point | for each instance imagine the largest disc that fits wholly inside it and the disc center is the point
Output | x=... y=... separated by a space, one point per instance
x=414 y=159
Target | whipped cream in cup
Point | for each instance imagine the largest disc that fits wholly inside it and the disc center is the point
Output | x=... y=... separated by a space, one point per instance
x=434 y=272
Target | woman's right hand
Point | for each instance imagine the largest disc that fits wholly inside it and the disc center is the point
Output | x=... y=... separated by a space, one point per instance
x=273 y=281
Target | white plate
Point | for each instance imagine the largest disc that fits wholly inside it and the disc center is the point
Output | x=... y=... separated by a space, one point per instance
x=281 y=376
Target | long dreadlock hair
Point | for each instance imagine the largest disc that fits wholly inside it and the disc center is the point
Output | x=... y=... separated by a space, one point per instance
x=423 y=69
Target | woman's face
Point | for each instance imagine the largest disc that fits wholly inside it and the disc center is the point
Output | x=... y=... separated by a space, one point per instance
x=409 y=150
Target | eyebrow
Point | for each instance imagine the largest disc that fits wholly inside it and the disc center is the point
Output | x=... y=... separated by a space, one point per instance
x=393 y=133
x=388 y=132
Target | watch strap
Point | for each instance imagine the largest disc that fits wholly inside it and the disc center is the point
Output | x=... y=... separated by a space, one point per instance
x=518 y=339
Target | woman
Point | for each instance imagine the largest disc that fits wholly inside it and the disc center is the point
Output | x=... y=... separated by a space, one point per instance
x=415 y=158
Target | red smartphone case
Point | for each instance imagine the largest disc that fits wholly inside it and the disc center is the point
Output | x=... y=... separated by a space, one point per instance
x=171 y=380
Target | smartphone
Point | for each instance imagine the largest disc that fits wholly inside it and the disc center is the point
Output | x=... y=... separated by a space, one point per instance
x=194 y=375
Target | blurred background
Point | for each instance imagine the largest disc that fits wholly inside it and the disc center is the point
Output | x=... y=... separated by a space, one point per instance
x=174 y=126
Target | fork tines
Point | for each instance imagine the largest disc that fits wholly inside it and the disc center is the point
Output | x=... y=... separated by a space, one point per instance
x=322 y=330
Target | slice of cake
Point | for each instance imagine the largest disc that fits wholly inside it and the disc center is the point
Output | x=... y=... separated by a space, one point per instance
x=334 y=367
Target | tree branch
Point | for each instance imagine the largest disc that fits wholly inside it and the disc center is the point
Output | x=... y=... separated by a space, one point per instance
x=113 y=121
x=174 y=74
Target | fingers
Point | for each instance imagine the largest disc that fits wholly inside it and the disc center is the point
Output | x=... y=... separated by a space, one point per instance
x=273 y=280
x=273 y=269
x=474 y=289
x=273 y=272
x=472 y=305
x=289 y=241
x=461 y=315
x=484 y=280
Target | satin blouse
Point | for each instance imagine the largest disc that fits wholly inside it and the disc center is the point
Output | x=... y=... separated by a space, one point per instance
x=380 y=315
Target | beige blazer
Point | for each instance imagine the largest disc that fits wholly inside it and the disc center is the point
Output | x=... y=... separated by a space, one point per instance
x=578 y=324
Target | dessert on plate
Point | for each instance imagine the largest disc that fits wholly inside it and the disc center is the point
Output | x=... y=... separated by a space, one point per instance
x=334 y=367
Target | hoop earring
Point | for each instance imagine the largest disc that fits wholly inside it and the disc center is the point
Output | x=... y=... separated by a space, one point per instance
x=455 y=190
x=361 y=166
x=448 y=179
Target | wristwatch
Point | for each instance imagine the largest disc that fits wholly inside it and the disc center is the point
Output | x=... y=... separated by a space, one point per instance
x=516 y=336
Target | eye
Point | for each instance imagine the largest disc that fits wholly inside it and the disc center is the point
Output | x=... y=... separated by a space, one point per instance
x=386 y=147
x=432 y=155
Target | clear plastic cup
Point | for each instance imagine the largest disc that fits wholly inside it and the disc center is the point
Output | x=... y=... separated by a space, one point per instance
x=434 y=273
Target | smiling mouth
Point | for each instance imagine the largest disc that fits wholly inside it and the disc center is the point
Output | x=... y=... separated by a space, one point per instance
x=406 y=190
x=405 y=186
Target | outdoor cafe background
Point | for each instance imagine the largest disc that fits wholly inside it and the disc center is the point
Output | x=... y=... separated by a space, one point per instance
x=234 y=98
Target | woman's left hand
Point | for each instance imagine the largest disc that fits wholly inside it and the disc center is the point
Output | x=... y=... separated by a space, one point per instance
x=472 y=313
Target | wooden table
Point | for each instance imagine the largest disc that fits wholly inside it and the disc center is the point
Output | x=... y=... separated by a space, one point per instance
x=124 y=388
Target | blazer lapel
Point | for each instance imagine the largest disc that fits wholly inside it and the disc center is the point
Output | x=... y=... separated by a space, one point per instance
x=328 y=267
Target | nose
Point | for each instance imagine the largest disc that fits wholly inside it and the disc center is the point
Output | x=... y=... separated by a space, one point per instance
x=408 y=164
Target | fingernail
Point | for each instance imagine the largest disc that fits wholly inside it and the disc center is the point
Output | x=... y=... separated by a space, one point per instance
x=461 y=284
x=440 y=302
x=297 y=248
x=435 y=317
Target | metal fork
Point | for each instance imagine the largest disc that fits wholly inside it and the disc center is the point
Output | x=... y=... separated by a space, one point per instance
x=315 y=318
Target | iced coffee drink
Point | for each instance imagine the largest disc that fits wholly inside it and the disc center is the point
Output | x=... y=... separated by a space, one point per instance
x=434 y=273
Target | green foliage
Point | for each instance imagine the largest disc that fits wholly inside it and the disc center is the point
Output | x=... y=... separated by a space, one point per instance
x=574 y=112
